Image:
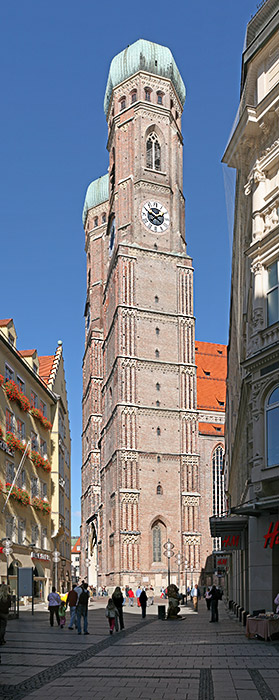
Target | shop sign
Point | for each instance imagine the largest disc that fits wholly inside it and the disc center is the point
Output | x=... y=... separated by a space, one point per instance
x=6 y=448
x=272 y=536
x=222 y=562
x=40 y=555
x=231 y=541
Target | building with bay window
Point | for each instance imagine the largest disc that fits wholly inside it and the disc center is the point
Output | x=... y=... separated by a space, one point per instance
x=35 y=450
x=252 y=416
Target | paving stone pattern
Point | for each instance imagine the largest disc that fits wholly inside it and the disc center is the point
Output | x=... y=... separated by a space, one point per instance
x=151 y=659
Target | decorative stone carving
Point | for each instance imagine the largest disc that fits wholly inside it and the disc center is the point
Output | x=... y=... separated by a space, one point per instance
x=190 y=500
x=173 y=597
x=257 y=319
x=129 y=497
x=192 y=539
x=256 y=176
x=130 y=539
x=256 y=267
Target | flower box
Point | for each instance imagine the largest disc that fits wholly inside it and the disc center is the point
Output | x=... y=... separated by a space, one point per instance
x=1 y=380
x=40 y=504
x=39 y=461
x=40 y=416
x=18 y=494
x=1 y=433
x=14 y=443
x=1 y=486
x=14 y=394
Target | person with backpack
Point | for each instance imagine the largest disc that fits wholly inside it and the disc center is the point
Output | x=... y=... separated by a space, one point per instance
x=82 y=609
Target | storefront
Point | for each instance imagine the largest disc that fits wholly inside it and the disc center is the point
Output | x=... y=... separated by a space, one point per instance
x=251 y=536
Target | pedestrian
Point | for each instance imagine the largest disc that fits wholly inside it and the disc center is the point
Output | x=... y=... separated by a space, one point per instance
x=131 y=596
x=276 y=601
x=117 y=598
x=62 y=613
x=112 y=615
x=5 y=604
x=138 y=592
x=72 y=599
x=215 y=597
x=208 y=598
x=127 y=591
x=54 y=601
x=82 y=609
x=124 y=594
x=195 y=595
x=151 y=595
x=143 y=603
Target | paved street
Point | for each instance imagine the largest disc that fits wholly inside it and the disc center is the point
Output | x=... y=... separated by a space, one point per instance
x=188 y=659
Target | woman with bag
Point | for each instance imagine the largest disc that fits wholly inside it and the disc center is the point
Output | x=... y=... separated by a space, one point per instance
x=112 y=615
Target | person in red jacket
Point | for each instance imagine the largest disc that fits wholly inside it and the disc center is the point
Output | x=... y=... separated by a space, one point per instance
x=131 y=596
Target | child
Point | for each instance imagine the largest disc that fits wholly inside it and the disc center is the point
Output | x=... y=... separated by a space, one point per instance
x=62 y=614
x=112 y=615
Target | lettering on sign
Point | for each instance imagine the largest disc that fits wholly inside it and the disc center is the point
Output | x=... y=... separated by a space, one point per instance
x=40 y=555
x=222 y=562
x=272 y=536
x=230 y=541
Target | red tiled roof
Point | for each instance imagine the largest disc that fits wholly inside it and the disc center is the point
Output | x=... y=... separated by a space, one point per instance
x=27 y=353
x=212 y=429
x=5 y=321
x=74 y=549
x=45 y=366
x=211 y=361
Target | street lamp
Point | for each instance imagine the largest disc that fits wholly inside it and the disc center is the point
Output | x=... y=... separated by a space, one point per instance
x=168 y=547
x=7 y=550
x=178 y=559
x=186 y=564
x=55 y=559
x=63 y=564
x=192 y=569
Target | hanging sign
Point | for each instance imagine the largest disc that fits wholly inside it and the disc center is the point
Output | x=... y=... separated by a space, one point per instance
x=232 y=541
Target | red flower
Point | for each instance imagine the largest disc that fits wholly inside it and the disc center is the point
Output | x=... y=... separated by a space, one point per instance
x=14 y=443
x=18 y=494
x=1 y=379
x=40 y=416
x=40 y=504
x=39 y=461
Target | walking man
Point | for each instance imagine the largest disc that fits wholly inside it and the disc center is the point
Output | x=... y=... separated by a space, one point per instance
x=138 y=592
x=82 y=609
x=195 y=595
x=54 y=601
x=215 y=596
x=143 y=601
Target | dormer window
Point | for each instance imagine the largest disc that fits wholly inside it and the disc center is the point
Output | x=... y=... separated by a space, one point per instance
x=147 y=93
x=159 y=98
x=104 y=218
x=95 y=222
x=133 y=96
x=123 y=103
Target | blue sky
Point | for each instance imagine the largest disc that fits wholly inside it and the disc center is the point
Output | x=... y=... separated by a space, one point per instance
x=55 y=59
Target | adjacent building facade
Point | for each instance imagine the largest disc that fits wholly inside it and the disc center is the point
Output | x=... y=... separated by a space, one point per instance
x=35 y=436
x=141 y=473
x=252 y=418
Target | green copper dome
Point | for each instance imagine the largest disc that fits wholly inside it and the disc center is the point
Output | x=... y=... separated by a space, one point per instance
x=97 y=192
x=147 y=56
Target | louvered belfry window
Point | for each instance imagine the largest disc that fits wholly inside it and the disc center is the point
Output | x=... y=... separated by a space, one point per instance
x=153 y=152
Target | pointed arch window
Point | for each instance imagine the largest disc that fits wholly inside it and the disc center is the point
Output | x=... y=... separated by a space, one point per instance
x=272 y=435
x=153 y=152
x=157 y=541
x=218 y=493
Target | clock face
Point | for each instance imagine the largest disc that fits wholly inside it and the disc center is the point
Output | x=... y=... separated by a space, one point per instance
x=111 y=235
x=155 y=217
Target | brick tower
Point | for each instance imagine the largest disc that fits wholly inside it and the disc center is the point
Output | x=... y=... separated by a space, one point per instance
x=140 y=475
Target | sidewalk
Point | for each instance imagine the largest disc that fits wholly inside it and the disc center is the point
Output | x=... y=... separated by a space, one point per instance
x=187 y=659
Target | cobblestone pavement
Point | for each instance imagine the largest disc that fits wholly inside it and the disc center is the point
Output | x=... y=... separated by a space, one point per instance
x=187 y=659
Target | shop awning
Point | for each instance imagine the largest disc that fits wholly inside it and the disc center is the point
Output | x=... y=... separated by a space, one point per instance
x=227 y=525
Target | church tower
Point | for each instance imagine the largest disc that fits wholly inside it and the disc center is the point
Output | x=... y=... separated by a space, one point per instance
x=140 y=476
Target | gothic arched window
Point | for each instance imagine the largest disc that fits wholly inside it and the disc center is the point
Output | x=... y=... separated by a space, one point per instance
x=272 y=435
x=217 y=486
x=157 y=541
x=153 y=152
